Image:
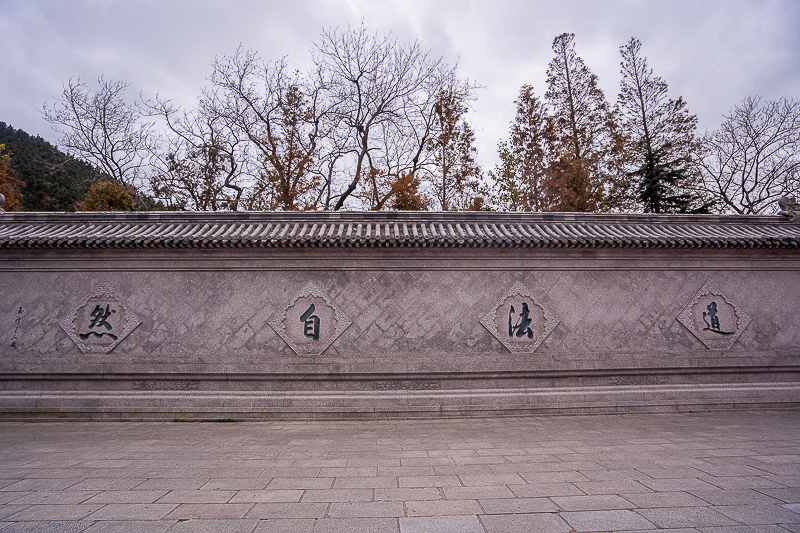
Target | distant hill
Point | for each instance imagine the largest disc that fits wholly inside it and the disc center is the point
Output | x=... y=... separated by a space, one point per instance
x=53 y=180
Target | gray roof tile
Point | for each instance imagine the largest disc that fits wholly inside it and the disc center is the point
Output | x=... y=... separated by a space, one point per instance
x=392 y=229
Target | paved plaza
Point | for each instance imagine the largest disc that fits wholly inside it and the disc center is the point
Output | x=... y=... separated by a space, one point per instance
x=708 y=472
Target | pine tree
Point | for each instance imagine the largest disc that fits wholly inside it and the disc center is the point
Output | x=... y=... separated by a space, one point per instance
x=659 y=181
x=658 y=134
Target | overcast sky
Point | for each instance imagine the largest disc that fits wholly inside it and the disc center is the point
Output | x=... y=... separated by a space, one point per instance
x=711 y=52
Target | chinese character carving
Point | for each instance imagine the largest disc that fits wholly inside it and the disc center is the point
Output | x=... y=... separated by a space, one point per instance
x=310 y=322
x=714 y=326
x=100 y=322
x=520 y=321
x=523 y=324
x=713 y=318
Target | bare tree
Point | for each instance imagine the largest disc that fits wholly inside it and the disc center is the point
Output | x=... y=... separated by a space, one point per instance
x=382 y=94
x=280 y=115
x=102 y=128
x=356 y=130
x=754 y=157
x=197 y=161
x=336 y=148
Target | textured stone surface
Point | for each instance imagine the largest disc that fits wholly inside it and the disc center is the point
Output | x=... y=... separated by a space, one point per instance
x=411 y=336
x=61 y=476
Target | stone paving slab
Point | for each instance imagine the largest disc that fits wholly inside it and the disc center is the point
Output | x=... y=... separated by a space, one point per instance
x=727 y=472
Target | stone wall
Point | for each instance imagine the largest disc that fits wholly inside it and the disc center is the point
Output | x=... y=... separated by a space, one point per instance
x=254 y=333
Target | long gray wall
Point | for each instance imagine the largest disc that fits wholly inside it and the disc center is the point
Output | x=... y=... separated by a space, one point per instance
x=411 y=332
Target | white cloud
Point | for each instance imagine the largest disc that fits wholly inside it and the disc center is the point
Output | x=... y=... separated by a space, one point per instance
x=713 y=53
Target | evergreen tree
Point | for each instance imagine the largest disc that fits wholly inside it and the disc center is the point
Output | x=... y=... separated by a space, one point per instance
x=659 y=183
x=53 y=180
x=655 y=129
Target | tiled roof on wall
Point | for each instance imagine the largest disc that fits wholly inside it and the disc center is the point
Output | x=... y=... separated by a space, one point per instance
x=392 y=229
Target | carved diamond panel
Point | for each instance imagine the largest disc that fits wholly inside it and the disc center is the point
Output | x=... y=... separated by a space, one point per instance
x=713 y=318
x=100 y=322
x=520 y=321
x=310 y=322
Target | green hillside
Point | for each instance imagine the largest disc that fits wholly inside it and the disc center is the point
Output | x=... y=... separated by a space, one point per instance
x=53 y=180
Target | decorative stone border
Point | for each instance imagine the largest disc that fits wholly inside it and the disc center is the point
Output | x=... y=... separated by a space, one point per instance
x=130 y=321
x=277 y=322
x=725 y=341
x=550 y=321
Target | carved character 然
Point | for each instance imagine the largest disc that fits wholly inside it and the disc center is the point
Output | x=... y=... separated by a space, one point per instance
x=100 y=319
